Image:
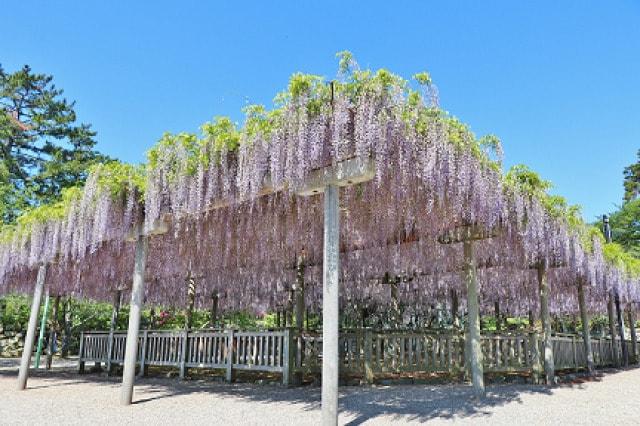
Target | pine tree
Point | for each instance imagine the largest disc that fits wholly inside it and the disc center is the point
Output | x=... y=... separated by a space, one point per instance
x=42 y=148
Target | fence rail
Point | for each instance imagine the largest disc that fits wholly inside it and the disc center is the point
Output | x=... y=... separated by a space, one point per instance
x=362 y=352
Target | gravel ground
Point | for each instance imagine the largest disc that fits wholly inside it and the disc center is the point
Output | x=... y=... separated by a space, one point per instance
x=61 y=396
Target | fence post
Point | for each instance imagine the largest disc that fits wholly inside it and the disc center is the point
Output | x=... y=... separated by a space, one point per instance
x=183 y=353
x=575 y=354
x=287 y=358
x=143 y=354
x=81 y=354
x=368 y=343
x=229 y=376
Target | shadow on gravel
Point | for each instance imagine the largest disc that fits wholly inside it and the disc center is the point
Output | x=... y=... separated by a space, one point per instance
x=409 y=402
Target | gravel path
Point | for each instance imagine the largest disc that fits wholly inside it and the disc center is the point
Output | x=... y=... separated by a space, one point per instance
x=63 y=397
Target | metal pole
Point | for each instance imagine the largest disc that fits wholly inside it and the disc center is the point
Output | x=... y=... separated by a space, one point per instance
x=137 y=292
x=330 y=306
x=549 y=367
x=43 y=325
x=31 y=330
x=586 y=333
x=473 y=324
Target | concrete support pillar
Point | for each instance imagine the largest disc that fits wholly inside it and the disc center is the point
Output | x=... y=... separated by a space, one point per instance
x=330 y=306
x=31 y=329
x=612 y=330
x=549 y=367
x=137 y=294
x=586 y=334
x=473 y=323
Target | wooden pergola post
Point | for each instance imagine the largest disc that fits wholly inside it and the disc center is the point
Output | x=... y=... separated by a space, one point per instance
x=586 y=331
x=496 y=306
x=549 y=367
x=29 y=340
x=137 y=294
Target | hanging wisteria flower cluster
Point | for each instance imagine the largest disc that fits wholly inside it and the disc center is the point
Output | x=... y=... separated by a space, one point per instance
x=237 y=226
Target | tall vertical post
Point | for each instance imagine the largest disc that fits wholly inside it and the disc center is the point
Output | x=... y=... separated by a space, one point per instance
x=586 y=332
x=43 y=326
x=473 y=327
x=496 y=307
x=549 y=367
x=612 y=330
x=330 y=306
x=31 y=330
x=137 y=293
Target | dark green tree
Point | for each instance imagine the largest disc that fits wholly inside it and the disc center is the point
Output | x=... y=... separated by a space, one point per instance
x=632 y=180
x=625 y=227
x=42 y=148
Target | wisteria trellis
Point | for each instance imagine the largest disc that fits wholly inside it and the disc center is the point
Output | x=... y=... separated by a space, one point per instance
x=432 y=175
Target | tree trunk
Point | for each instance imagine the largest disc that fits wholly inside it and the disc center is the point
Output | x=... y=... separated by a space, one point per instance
x=191 y=301
x=299 y=292
x=53 y=331
x=612 y=330
x=66 y=339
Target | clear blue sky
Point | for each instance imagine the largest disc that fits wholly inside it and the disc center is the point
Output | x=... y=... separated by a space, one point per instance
x=558 y=81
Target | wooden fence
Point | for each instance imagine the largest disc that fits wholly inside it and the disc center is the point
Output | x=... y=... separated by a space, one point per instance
x=362 y=352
